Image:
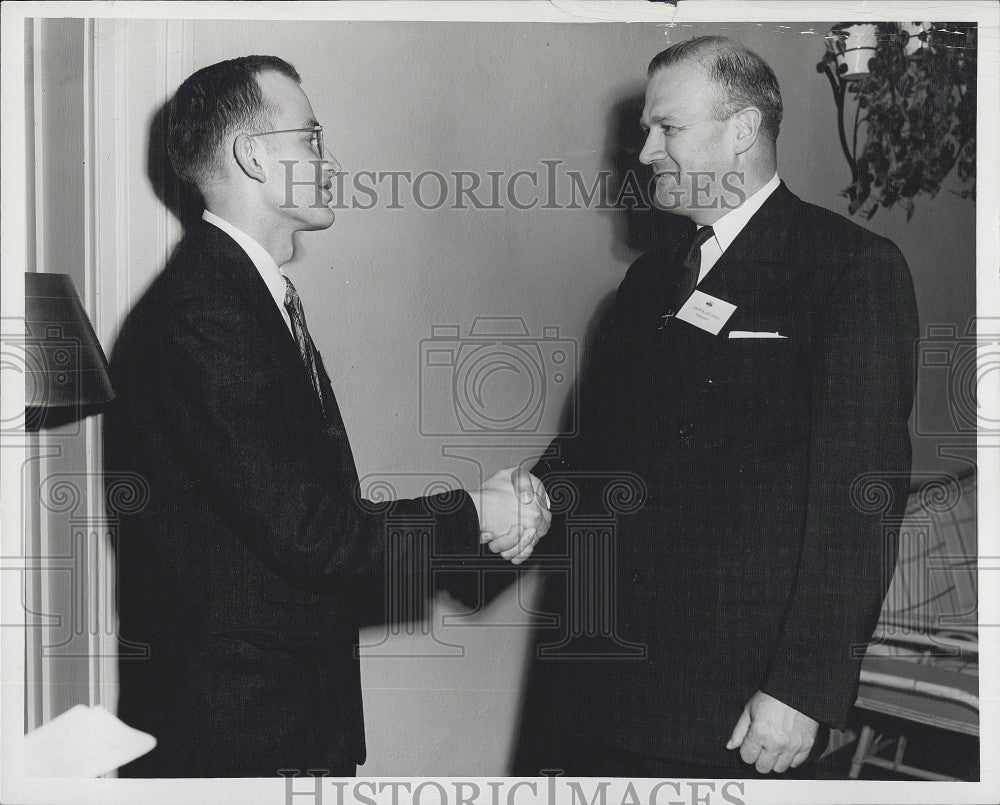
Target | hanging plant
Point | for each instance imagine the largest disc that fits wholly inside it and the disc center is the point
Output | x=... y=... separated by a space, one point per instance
x=914 y=109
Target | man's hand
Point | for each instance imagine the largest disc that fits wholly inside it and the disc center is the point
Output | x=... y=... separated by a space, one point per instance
x=772 y=735
x=513 y=509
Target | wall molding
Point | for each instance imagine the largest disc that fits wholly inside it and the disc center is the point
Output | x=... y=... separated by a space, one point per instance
x=135 y=67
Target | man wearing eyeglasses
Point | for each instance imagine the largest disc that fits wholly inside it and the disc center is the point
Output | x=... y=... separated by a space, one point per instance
x=240 y=582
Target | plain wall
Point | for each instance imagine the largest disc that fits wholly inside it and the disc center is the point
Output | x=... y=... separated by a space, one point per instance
x=501 y=97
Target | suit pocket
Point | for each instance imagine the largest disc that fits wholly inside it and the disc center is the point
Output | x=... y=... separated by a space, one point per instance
x=761 y=363
x=762 y=385
x=795 y=327
x=757 y=360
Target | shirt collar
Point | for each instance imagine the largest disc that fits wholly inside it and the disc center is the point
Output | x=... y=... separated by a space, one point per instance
x=731 y=224
x=261 y=258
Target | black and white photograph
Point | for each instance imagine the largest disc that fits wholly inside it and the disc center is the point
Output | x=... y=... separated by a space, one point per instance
x=500 y=403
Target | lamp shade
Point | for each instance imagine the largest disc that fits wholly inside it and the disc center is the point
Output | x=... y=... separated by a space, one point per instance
x=65 y=365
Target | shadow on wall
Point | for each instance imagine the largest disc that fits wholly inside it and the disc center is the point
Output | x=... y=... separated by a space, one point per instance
x=639 y=225
x=177 y=195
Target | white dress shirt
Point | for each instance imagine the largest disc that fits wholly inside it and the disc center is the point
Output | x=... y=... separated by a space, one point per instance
x=274 y=277
x=731 y=224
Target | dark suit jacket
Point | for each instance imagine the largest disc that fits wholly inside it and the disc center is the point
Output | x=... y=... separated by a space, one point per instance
x=752 y=555
x=244 y=572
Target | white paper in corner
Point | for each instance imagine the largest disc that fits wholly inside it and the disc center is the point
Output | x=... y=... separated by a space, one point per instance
x=82 y=742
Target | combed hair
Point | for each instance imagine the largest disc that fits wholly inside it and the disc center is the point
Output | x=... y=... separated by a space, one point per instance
x=743 y=77
x=210 y=105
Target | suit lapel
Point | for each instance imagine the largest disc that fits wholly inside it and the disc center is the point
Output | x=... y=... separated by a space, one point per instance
x=747 y=275
x=246 y=280
x=754 y=265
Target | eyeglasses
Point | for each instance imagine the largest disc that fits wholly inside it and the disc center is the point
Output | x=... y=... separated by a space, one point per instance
x=316 y=141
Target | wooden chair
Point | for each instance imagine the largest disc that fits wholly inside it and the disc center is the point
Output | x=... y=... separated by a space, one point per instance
x=923 y=664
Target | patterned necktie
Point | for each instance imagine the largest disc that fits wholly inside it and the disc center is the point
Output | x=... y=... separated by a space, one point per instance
x=306 y=348
x=691 y=267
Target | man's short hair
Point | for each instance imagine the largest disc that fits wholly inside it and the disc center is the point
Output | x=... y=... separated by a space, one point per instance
x=744 y=78
x=210 y=105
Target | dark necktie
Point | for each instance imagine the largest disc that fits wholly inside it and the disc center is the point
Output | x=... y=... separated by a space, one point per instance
x=306 y=347
x=691 y=267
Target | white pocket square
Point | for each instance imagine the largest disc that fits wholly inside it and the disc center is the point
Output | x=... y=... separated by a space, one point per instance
x=748 y=334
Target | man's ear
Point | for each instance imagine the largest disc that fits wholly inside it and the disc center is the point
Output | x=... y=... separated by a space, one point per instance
x=748 y=122
x=247 y=153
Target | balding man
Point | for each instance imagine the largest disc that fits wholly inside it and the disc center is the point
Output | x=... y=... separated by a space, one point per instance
x=750 y=375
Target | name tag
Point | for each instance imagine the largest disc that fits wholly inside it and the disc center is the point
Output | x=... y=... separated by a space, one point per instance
x=706 y=312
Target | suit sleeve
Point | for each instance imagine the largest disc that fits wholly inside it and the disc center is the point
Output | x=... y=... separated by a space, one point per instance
x=862 y=392
x=287 y=492
x=598 y=401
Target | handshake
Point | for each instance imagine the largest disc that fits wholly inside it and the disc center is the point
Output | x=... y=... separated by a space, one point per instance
x=514 y=514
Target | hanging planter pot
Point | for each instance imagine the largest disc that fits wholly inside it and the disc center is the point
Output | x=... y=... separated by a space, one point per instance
x=911 y=91
x=854 y=46
x=916 y=36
